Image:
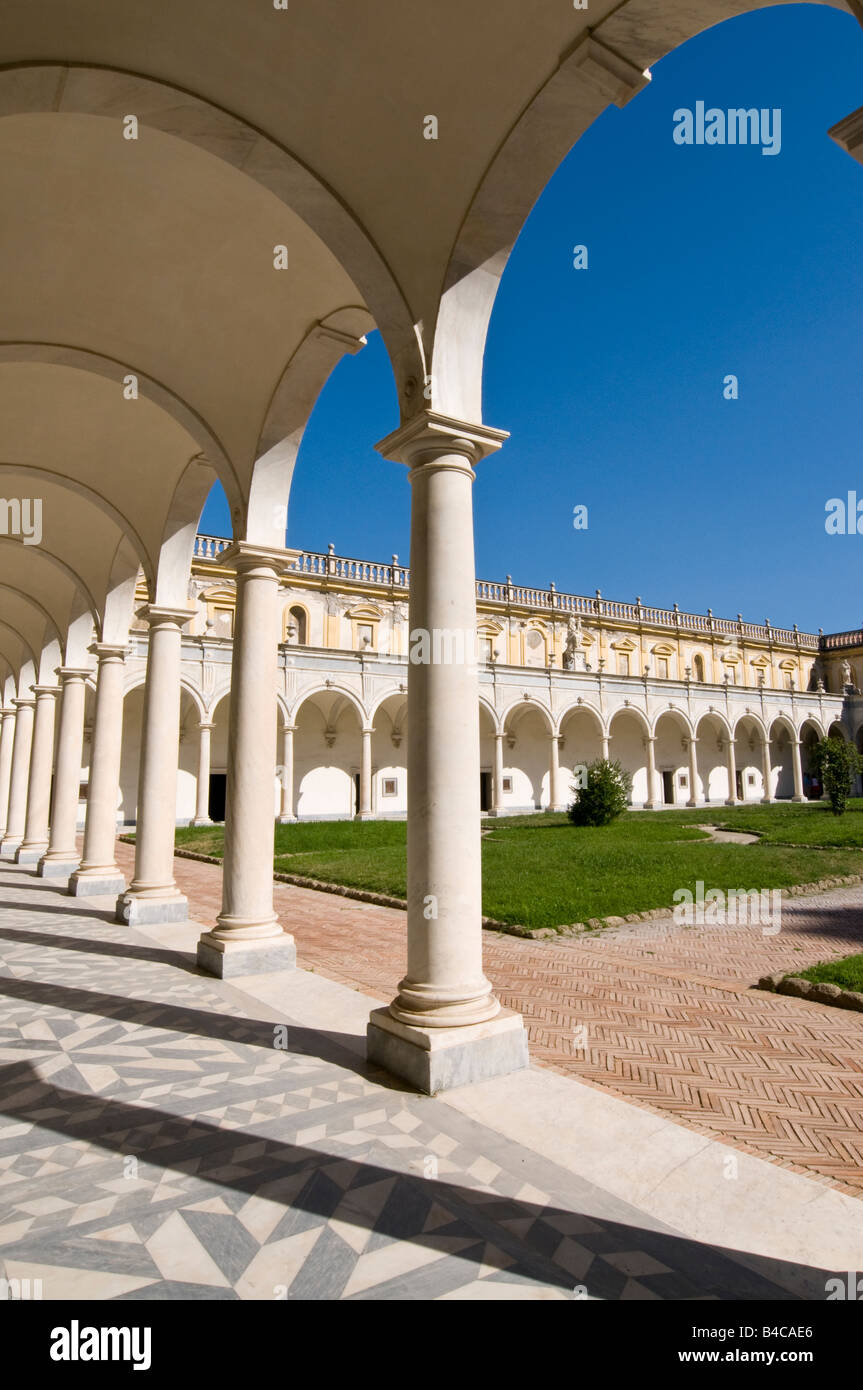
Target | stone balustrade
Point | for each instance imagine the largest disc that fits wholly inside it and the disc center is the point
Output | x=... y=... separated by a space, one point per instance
x=316 y=563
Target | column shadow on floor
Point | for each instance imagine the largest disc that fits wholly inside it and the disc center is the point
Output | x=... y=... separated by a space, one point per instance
x=316 y=1186
x=27 y=877
x=152 y=1013
x=91 y=946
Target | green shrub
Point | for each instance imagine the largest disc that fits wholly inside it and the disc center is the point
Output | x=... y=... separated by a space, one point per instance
x=605 y=795
x=838 y=763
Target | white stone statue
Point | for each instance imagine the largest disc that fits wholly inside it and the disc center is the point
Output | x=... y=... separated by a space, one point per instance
x=573 y=642
x=846 y=673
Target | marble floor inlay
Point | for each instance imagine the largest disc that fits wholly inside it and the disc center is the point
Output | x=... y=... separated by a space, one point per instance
x=163 y=1135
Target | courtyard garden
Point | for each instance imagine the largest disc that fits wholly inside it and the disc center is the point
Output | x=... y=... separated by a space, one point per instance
x=542 y=871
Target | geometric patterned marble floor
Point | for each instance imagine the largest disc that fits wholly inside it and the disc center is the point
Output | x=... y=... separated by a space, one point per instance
x=156 y=1142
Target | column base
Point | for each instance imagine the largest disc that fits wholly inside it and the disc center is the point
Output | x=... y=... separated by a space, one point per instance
x=438 y=1059
x=8 y=847
x=365 y=815
x=134 y=908
x=29 y=854
x=558 y=806
x=201 y=820
x=286 y=820
x=227 y=959
x=86 y=883
x=56 y=868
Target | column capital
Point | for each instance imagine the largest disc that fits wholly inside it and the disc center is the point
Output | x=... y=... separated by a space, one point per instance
x=68 y=674
x=159 y=614
x=427 y=436
x=109 y=651
x=8 y=712
x=206 y=724
x=24 y=703
x=288 y=728
x=245 y=555
x=45 y=690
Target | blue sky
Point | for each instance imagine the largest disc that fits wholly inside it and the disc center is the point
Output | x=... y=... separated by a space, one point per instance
x=703 y=261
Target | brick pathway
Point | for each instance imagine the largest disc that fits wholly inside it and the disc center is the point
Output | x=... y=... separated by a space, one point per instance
x=670 y=1017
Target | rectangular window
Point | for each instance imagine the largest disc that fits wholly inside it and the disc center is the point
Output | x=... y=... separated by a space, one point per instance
x=390 y=786
x=223 y=622
x=623 y=663
x=507 y=784
x=662 y=667
x=683 y=781
x=751 y=779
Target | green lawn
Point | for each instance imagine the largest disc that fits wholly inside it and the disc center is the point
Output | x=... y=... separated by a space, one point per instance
x=540 y=871
x=810 y=823
x=847 y=973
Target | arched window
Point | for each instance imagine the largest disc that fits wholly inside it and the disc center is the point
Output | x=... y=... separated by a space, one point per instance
x=297 y=622
x=698 y=666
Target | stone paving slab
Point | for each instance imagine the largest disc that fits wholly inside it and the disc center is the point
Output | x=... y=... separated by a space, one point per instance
x=662 y=1015
x=156 y=1143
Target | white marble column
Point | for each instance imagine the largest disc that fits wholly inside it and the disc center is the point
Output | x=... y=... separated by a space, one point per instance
x=765 y=767
x=497 y=778
x=35 y=841
x=286 y=813
x=365 y=809
x=18 y=777
x=61 y=857
x=731 y=799
x=605 y=746
x=98 y=872
x=556 y=802
x=153 y=896
x=651 y=774
x=202 y=784
x=445 y=1027
x=797 y=768
x=7 y=740
x=247 y=938
x=693 y=773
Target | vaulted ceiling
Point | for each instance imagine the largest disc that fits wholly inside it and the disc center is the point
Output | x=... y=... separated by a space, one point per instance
x=148 y=341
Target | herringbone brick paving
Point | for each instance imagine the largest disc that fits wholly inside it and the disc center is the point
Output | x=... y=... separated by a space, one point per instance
x=662 y=1015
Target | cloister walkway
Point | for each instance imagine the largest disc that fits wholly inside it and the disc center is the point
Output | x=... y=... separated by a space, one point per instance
x=158 y=1141
x=672 y=1021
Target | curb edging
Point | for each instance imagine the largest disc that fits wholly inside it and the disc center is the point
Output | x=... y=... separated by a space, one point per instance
x=821 y=992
